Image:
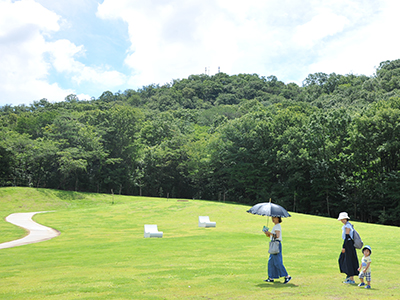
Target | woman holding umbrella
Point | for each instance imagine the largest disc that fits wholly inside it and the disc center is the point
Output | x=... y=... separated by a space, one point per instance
x=276 y=268
x=275 y=263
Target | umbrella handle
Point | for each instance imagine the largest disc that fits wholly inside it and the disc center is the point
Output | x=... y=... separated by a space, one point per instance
x=267 y=216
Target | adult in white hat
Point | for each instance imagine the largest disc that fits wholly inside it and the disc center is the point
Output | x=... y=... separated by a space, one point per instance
x=348 y=261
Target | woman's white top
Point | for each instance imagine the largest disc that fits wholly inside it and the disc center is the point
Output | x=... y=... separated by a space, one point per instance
x=348 y=225
x=277 y=227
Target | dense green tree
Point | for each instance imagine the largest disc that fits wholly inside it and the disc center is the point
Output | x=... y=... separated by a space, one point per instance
x=329 y=145
x=291 y=169
x=388 y=75
x=242 y=160
x=375 y=142
x=327 y=136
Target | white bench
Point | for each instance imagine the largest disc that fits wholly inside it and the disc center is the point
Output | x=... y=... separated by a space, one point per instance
x=204 y=221
x=152 y=231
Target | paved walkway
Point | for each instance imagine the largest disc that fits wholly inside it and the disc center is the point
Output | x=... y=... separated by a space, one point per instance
x=37 y=232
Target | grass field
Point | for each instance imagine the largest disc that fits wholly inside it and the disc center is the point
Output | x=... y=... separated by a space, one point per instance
x=101 y=252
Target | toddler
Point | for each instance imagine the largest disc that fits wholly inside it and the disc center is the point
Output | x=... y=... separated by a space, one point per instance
x=365 y=268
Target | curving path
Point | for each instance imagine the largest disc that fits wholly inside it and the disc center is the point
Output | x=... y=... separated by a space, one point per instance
x=37 y=232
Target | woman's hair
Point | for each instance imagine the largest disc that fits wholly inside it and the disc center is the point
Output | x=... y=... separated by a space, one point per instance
x=279 y=219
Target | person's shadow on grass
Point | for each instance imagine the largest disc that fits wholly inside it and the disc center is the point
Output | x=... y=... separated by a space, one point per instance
x=276 y=285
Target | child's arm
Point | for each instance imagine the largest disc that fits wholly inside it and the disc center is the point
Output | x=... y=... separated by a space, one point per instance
x=367 y=266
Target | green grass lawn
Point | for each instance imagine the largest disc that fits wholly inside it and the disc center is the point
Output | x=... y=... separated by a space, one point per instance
x=101 y=252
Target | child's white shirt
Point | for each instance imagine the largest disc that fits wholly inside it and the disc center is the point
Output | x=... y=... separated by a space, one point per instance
x=364 y=261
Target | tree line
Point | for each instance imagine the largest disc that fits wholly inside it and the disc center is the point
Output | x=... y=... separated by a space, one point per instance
x=329 y=145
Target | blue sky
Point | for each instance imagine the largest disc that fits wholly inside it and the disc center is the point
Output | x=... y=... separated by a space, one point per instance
x=50 y=49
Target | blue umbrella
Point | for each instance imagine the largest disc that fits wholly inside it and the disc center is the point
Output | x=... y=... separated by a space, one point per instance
x=269 y=209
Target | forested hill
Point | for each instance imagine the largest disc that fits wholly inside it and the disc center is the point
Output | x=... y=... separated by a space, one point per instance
x=331 y=145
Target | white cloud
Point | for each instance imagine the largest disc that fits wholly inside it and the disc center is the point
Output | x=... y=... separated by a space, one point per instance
x=22 y=46
x=320 y=26
x=13 y=14
x=27 y=57
x=360 y=51
x=172 y=39
x=63 y=54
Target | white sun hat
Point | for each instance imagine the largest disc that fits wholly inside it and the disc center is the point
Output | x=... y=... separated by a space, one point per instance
x=343 y=215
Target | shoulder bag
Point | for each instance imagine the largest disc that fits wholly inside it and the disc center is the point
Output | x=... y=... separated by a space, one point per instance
x=273 y=246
